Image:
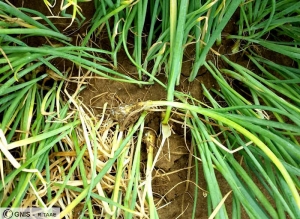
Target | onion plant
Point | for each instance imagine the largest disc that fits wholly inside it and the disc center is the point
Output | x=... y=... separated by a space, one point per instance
x=64 y=5
x=267 y=150
x=269 y=24
x=36 y=119
x=167 y=28
x=56 y=152
x=258 y=18
x=256 y=114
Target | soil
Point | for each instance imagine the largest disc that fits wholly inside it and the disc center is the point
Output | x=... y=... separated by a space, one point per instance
x=173 y=178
